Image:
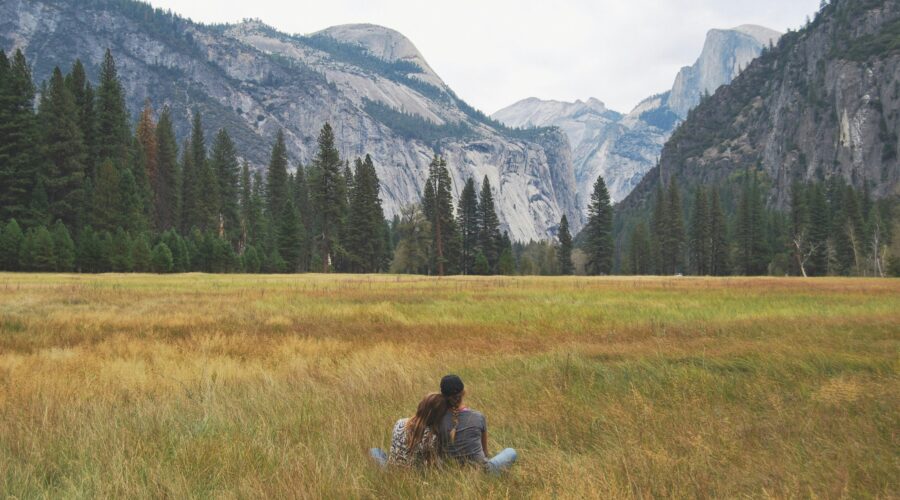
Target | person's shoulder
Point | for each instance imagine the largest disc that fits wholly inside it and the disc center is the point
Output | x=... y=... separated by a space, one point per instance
x=475 y=414
x=401 y=423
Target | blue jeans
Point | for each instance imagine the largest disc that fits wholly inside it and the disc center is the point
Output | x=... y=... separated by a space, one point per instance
x=379 y=456
x=502 y=461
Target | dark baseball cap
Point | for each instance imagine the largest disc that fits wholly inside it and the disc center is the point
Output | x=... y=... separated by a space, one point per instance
x=451 y=385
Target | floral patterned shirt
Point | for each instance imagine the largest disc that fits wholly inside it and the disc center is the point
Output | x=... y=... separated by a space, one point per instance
x=400 y=452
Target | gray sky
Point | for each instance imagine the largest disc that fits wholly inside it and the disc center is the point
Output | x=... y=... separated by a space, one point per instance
x=495 y=52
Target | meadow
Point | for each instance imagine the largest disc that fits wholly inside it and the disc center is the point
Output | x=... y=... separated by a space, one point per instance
x=231 y=386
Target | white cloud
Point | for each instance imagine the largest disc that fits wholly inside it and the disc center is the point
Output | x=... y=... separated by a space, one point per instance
x=494 y=52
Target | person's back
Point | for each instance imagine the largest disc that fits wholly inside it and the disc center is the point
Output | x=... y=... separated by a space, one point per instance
x=465 y=444
x=463 y=432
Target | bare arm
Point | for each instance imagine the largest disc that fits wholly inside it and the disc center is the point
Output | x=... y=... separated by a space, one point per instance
x=484 y=443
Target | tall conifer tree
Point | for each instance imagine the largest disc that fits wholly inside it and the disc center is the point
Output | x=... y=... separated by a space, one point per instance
x=467 y=220
x=489 y=238
x=64 y=153
x=599 y=244
x=564 y=254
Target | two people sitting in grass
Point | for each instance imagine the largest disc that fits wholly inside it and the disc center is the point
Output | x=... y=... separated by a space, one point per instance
x=443 y=429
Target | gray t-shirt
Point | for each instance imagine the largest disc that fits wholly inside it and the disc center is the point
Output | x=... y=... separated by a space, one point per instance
x=467 y=445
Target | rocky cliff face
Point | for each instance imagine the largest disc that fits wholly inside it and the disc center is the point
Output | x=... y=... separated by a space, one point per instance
x=825 y=102
x=622 y=148
x=369 y=82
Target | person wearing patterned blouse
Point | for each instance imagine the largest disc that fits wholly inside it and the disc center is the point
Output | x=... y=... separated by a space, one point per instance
x=414 y=440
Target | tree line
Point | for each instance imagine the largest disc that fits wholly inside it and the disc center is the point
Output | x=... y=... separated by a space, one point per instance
x=81 y=191
x=831 y=229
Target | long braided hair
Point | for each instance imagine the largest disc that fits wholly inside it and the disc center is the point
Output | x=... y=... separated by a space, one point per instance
x=453 y=403
x=428 y=415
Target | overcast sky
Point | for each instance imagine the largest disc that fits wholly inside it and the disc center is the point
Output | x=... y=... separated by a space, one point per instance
x=495 y=52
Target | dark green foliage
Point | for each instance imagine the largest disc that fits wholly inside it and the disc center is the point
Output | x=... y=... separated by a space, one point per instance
x=11 y=239
x=467 y=219
x=328 y=199
x=226 y=169
x=365 y=226
x=64 y=154
x=564 y=254
x=700 y=240
x=719 y=262
x=752 y=252
x=63 y=248
x=107 y=201
x=18 y=136
x=411 y=126
x=141 y=254
x=36 y=253
x=291 y=236
x=113 y=136
x=489 y=236
x=415 y=237
x=250 y=260
x=277 y=187
x=481 y=267
x=599 y=243
x=438 y=208
x=91 y=254
x=640 y=256
x=165 y=184
x=161 y=260
x=120 y=252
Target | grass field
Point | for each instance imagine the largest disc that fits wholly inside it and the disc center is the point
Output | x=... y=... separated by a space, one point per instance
x=246 y=386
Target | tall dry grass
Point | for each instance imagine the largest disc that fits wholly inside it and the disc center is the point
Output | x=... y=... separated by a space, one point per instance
x=254 y=386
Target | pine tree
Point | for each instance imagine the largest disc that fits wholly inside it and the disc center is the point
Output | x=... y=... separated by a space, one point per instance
x=250 y=260
x=225 y=166
x=673 y=244
x=205 y=208
x=18 y=136
x=107 y=198
x=413 y=251
x=290 y=235
x=113 y=136
x=11 y=239
x=132 y=214
x=277 y=188
x=189 y=187
x=83 y=95
x=659 y=225
x=599 y=244
x=145 y=165
x=246 y=190
x=63 y=170
x=752 y=246
x=63 y=248
x=467 y=219
x=120 y=252
x=327 y=188
x=141 y=254
x=37 y=251
x=439 y=209
x=700 y=235
x=564 y=254
x=488 y=226
x=818 y=231
x=365 y=224
x=718 y=238
x=165 y=184
x=89 y=254
x=303 y=204
x=161 y=260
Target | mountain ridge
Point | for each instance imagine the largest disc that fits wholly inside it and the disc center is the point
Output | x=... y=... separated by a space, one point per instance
x=253 y=80
x=622 y=147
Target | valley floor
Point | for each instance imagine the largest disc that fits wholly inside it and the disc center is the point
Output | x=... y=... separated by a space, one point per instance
x=250 y=386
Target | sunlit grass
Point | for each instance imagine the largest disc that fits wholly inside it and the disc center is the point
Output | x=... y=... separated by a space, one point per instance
x=252 y=386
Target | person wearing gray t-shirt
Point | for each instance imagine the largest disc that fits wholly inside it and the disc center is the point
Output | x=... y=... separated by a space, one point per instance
x=463 y=432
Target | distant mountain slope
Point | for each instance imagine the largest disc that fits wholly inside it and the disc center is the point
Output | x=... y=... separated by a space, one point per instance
x=623 y=148
x=825 y=102
x=369 y=82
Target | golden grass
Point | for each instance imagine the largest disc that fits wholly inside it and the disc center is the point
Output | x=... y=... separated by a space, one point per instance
x=254 y=386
